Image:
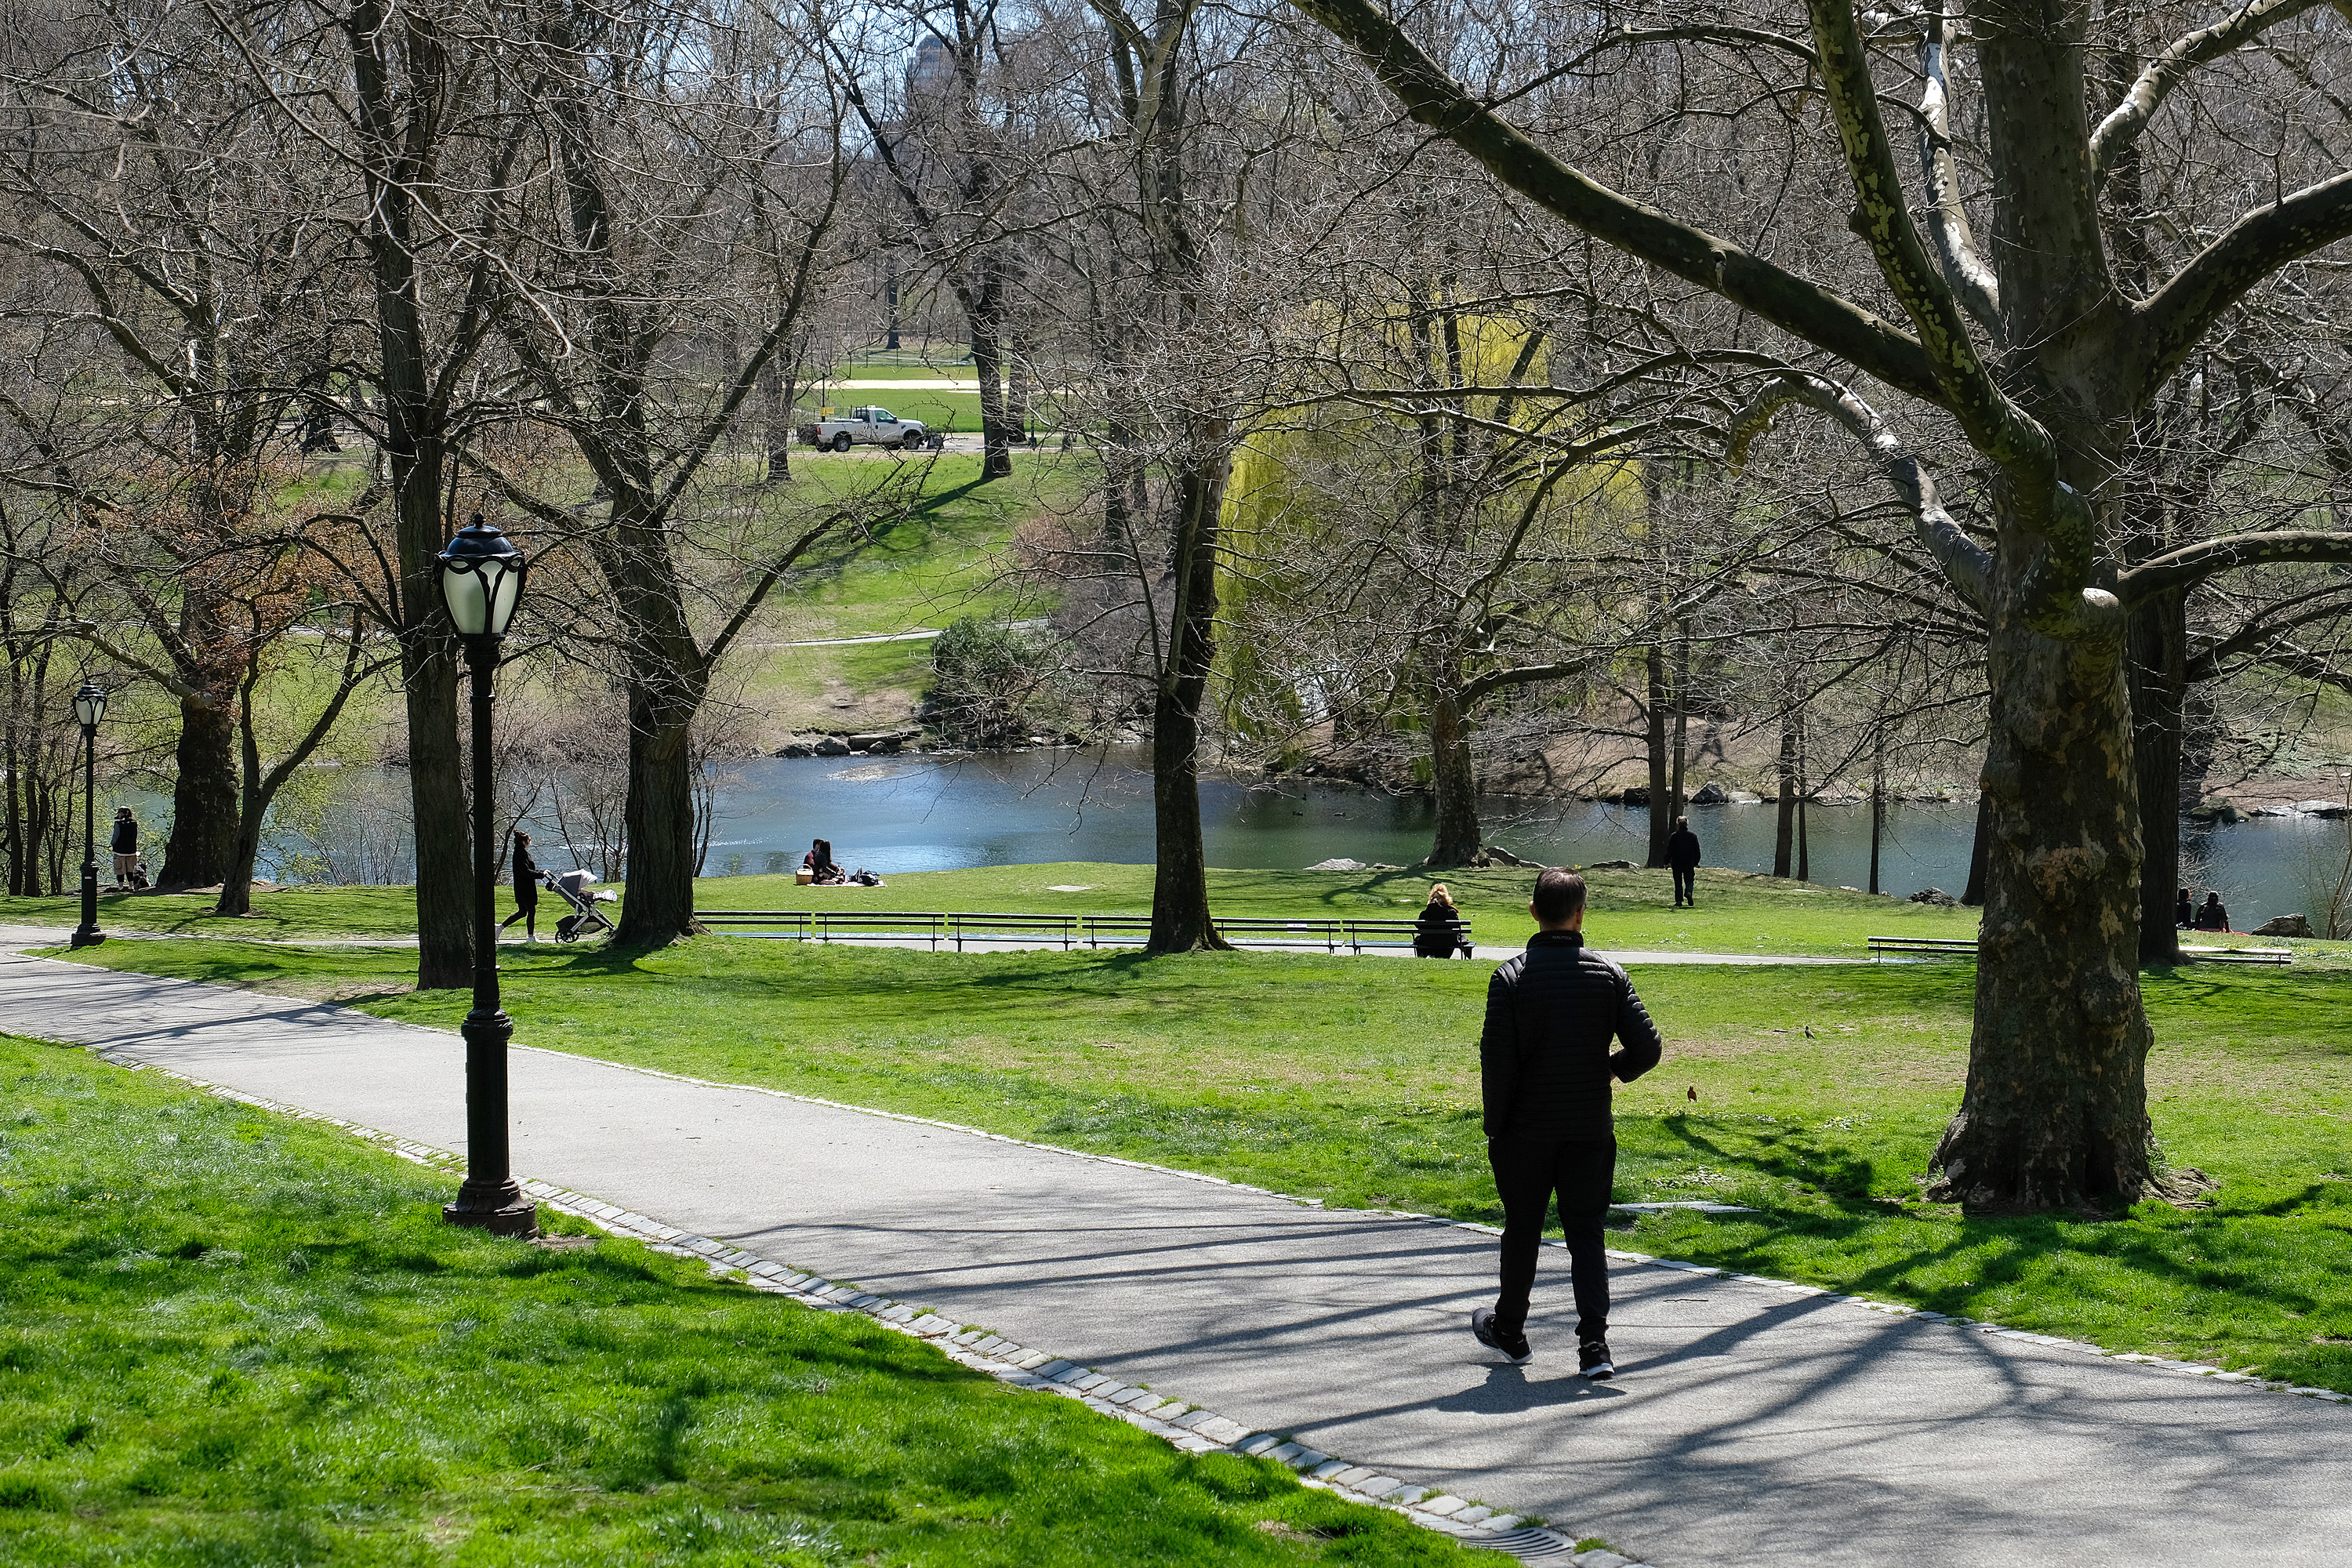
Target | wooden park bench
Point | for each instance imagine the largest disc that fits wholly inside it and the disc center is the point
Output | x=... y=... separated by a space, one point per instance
x=1956 y=947
x=1332 y=935
x=1118 y=931
x=1063 y=929
x=1931 y=946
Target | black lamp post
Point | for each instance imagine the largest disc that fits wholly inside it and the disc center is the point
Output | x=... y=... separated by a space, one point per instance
x=482 y=575
x=90 y=707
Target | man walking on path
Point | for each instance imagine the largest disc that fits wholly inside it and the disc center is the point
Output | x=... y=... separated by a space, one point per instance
x=1544 y=1066
x=125 y=844
x=1682 y=855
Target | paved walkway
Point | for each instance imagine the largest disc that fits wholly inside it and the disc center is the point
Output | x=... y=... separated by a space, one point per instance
x=1751 y=1424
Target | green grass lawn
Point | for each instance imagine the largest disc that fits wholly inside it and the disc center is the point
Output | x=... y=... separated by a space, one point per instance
x=944 y=560
x=1821 y=1094
x=956 y=413
x=233 y=1338
x=285 y=912
x=1631 y=910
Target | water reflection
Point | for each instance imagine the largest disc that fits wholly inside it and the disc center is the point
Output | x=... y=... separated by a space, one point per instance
x=898 y=814
x=920 y=813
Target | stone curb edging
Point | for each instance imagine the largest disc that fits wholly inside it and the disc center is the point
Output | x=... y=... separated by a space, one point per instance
x=1186 y=1427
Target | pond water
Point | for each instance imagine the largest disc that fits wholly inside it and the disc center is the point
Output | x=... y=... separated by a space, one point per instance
x=930 y=813
x=923 y=814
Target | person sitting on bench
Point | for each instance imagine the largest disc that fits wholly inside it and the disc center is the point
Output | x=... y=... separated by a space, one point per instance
x=1438 y=933
x=2212 y=915
x=818 y=863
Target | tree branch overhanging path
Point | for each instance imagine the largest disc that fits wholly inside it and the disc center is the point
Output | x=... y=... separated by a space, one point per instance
x=2043 y=357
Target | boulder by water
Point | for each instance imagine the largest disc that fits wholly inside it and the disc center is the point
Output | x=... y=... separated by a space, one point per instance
x=1935 y=896
x=1339 y=863
x=1711 y=793
x=2328 y=808
x=2284 y=925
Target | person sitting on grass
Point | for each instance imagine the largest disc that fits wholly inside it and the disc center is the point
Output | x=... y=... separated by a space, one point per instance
x=818 y=863
x=2213 y=914
x=1438 y=933
x=2184 y=912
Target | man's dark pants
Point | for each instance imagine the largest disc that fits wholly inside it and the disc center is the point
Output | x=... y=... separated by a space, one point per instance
x=1528 y=1172
x=1685 y=879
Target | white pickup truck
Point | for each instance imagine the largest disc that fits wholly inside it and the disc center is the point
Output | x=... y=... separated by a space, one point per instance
x=866 y=427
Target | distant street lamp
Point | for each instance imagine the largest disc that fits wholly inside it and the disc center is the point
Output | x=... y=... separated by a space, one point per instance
x=482 y=575
x=90 y=707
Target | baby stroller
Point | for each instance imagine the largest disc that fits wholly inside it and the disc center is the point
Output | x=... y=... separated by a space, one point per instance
x=585 y=918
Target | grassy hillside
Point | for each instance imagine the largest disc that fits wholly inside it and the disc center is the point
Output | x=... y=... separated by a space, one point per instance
x=947 y=559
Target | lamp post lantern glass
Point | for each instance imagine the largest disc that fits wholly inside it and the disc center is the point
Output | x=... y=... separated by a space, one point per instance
x=482 y=575
x=90 y=707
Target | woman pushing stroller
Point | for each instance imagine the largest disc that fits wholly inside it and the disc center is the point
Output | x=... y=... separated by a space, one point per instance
x=572 y=887
x=526 y=890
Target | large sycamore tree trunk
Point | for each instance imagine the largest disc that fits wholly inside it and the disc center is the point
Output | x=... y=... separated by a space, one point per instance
x=659 y=814
x=1179 y=884
x=2055 y=1109
x=1662 y=826
x=986 y=318
x=202 y=847
x=398 y=137
x=1454 y=775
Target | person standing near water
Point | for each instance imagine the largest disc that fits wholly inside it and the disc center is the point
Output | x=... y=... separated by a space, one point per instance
x=1682 y=855
x=526 y=890
x=125 y=843
x=1544 y=1067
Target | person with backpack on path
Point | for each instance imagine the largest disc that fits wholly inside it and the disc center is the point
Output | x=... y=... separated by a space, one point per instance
x=125 y=844
x=1544 y=1068
x=1682 y=856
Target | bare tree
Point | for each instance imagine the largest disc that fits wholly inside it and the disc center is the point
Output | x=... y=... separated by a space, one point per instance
x=651 y=160
x=149 y=173
x=2042 y=356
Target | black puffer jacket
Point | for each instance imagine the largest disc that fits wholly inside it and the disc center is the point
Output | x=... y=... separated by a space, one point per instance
x=1544 y=1059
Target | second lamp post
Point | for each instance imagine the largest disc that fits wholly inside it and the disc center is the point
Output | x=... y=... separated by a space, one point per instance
x=90 y=707
x=481 y=576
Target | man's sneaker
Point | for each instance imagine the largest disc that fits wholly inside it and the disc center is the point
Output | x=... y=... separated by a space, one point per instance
x=1593 y=1360
x=1514 y=1348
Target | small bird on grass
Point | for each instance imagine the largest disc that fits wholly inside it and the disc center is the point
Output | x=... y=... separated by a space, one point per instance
x=1694 y=1094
